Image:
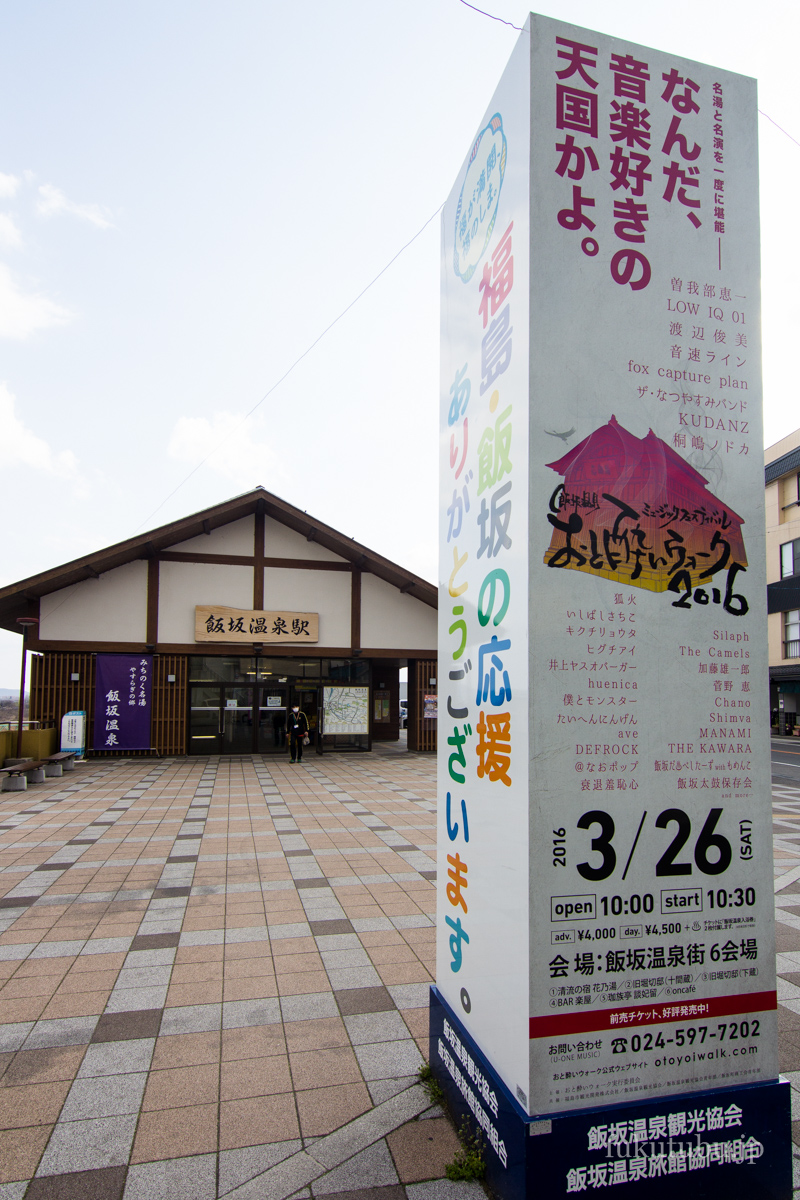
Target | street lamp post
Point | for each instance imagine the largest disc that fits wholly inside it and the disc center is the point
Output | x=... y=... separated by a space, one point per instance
x=26 y=623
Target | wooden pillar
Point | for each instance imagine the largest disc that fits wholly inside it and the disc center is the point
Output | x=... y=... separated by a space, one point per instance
x=151 y=634
x=355 y=610
x=258 y=557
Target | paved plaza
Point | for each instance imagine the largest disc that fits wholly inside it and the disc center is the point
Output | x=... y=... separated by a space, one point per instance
x=215 y=979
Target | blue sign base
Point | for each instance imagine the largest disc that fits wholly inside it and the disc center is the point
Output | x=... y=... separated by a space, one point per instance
x=733 y=1141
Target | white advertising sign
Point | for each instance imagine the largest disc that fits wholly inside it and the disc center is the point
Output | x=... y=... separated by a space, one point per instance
x=605 y=845
x=73 y=732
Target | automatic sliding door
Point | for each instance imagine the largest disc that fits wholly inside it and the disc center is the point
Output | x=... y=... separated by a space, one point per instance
x=272 y=720
x=205 y=722
x=237 y=720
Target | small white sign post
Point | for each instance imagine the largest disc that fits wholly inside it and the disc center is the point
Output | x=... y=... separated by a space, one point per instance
x=73 y=732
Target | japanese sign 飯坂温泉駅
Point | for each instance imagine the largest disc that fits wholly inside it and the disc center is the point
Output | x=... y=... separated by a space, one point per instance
x=221 y=624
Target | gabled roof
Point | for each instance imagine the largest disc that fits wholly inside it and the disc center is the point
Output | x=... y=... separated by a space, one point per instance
x=20 y=599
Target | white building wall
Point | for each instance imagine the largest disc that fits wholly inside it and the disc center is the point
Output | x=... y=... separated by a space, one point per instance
x=236 y=538
x=392 y=620
x=783 y=525
x=112 y=608
x=282 y=542
x=775 y=640
x=184 y=585
x=323 y=592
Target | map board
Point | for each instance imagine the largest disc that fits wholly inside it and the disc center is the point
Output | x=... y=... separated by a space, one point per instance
x=345 y=710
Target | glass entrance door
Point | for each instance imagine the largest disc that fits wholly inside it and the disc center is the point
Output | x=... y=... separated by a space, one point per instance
x=237 y=720
x=205 y=721
x=271 y=733
x=240 y=705
x=229 y=719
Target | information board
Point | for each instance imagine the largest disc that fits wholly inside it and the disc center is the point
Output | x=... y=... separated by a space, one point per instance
x=345 y=710
x=605 y=925
x=73 y=732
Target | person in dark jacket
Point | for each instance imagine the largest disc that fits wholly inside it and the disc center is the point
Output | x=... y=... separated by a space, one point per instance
x=297 y=729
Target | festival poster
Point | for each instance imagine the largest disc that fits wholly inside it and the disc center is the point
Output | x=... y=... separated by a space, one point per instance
x=639 y=699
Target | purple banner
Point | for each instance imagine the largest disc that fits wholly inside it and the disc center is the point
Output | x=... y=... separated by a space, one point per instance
x=122 y=701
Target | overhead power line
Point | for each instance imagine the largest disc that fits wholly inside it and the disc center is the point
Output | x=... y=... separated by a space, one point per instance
x=491 y=16
x=482 y=12
x=289 y=370
x=777 y=126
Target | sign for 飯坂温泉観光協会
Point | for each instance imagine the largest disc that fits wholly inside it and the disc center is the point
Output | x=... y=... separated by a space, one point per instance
x=123 y=688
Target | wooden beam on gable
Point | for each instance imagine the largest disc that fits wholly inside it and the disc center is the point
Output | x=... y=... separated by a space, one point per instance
x=355 y=611
x=258 y=555
x=151 y=634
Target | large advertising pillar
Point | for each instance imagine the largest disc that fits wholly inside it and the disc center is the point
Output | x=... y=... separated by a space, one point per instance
x=605 y=919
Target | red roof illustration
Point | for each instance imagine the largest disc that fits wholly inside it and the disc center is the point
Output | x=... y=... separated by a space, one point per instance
x=634 y=510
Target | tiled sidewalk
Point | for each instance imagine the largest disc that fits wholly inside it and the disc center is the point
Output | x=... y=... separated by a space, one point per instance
x=214 y=980
x=786 y=843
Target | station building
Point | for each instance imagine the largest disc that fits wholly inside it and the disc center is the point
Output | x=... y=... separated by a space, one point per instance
x=247 y=608
x=782 y=482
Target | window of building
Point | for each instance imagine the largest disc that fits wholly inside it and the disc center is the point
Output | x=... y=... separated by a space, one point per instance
x=790 y=558
x=791 y=644
x=790 y=490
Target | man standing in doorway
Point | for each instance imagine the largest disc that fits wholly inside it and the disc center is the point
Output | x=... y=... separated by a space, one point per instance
x=297 y=728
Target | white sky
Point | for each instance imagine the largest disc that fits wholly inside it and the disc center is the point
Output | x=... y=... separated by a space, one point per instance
x=191 y=192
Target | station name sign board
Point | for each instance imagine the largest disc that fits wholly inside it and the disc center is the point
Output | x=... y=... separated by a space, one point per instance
x=231 y=625
x=605 y=927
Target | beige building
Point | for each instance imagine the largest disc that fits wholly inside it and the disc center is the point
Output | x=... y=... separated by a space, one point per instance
x=782 y=481
x=243 y=610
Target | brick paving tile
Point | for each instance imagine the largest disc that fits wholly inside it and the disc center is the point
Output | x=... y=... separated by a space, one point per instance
x=324 y=1109
x=257 y=1120
x=422 y=1149
x=104 y=1183
x=175 y=1132
x=20 y=1151
x=176 y=1086
x=264 y=950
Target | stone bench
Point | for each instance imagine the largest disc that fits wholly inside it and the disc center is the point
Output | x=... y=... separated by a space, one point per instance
x=18 y=774
x=56 y=764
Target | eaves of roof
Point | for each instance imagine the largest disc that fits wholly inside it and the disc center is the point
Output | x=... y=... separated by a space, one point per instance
x=783 y=595
x=21 y=598
x=782 y=466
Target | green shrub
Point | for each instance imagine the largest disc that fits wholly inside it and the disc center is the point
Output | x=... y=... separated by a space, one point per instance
x=431 y=1084
x=469 y=1161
